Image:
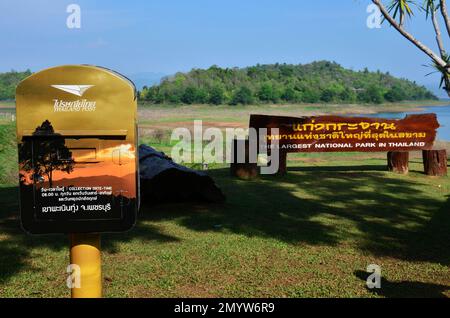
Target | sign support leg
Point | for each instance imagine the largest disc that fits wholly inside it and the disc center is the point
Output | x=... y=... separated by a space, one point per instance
x=85 y=254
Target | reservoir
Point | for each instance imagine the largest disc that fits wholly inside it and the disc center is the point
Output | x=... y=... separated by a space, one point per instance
x=442 y=112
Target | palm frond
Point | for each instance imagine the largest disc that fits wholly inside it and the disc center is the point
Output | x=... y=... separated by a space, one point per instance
x=401 y=8
x=430 y=6
x=443 y=70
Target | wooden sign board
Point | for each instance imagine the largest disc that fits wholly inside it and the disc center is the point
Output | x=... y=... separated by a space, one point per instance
x=78 y=163
x=340 y=134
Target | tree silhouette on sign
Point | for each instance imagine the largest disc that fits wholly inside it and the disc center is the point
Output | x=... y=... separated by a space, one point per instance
x=44 y=153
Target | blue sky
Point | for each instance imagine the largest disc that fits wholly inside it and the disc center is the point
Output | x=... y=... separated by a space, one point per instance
x=166 y=36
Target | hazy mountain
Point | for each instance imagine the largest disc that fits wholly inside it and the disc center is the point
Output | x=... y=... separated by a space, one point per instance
x=145 y=79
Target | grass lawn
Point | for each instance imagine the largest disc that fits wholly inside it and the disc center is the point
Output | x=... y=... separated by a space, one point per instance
x=311 y=233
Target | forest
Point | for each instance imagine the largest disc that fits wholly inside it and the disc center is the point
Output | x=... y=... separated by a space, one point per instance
x=8 y=83
x=317 y=82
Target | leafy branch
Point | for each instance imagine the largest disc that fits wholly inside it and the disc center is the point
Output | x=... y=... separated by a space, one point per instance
x=396 y=12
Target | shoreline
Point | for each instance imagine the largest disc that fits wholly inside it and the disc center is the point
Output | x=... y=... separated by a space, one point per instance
x=293 y=109
x=318 y=108
x=394 y=108
x=169 y=116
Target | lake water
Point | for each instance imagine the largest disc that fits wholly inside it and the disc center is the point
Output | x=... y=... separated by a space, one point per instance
x=442 y=112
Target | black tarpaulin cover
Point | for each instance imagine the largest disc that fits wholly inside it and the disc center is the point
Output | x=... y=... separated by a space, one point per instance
x=164 y=180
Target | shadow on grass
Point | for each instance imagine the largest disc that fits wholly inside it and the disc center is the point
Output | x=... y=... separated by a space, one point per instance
x=381 y=214
x=15 y=250
x=391 y=215
x=339 y=168
x=405 y=289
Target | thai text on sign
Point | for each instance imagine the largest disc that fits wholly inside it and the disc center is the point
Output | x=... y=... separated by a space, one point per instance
x=337 y=133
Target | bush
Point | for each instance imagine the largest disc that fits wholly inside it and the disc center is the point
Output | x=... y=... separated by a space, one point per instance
x=395 y=94
x=242 y=96
x=189 y=96
x=216 y=95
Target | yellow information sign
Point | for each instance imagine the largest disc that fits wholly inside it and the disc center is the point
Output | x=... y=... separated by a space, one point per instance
x=77 y=140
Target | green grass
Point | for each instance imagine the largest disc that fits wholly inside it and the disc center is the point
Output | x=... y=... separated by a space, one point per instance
x=8 y=153
x=311 y=233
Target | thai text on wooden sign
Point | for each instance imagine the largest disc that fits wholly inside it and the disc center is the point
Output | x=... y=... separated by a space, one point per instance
x=338 y=134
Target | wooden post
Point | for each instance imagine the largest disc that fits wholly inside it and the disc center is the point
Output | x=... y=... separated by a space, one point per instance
x=435 y=162
x=398 y=161
x=282 y=169
x=246 y=169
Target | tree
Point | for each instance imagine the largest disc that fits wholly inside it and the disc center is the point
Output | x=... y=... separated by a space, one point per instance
x=216 y=95
x=242 y=96
x=396 y=13
x=372 y=94
x=9 y=81
x=311 y=95
x=148 y=94
x=266 y=92
x=331 y=93
x=201 y=96
x=189 y=95
x=348 y=95
x=45 y=153
x=395 y=94
x=327 y=95
x=290 y=95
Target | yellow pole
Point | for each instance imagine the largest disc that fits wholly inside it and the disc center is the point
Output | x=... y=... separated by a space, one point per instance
x=85 y=255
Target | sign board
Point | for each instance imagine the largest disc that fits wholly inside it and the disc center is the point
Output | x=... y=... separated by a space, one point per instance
x=339 y=134
x=77 y=141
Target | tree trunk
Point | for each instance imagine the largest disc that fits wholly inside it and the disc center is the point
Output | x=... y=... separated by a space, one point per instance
x=398 y=161
x=435 y=162
x=50 y=179
x=246 y=169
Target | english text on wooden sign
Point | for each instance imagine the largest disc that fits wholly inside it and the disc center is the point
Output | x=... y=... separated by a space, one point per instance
x=338 y=134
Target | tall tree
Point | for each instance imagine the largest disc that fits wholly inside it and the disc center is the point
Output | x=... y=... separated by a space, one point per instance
x=45 y=154
x=397 y=11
